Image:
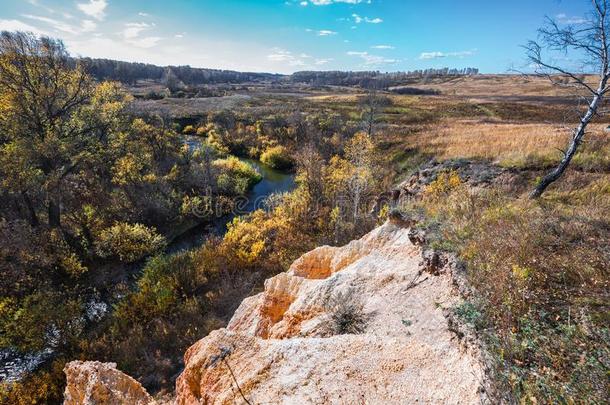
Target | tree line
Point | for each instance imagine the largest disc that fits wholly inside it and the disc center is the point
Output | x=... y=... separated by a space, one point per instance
x=132 y=72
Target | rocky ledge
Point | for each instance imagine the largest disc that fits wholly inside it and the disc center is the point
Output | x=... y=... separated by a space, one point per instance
x=363 y=323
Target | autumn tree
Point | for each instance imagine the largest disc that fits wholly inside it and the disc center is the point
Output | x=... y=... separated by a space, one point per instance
x=589 y=39
x=52 y=119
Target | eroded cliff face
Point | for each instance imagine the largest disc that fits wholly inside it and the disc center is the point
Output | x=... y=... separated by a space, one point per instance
x=281 y=346
x=364 y=323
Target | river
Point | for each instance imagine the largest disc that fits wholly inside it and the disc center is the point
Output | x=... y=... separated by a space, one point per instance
x=273 y=181
x=14 y=365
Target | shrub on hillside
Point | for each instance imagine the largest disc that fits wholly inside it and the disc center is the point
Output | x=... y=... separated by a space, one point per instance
x=129 y=242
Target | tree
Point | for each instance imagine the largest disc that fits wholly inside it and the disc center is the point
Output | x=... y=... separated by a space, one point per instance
x=52 y=119
x=371 y=105
x=590 y=39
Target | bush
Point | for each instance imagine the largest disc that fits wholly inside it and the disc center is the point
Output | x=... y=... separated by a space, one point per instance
x=188 y=130
x=235 y=171
x=277 y=157
x=130 y=242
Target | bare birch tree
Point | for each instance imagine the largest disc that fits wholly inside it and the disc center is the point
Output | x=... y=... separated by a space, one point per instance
x=587 y=39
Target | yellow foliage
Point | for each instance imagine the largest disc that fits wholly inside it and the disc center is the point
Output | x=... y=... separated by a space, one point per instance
x=127 y=170
x=521 y=273
x=444 y=183
x=130 y=242
x=276 y=157
x=248 y=238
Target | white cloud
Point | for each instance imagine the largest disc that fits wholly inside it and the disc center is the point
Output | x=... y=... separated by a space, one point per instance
x=372 y=60
x=49 y=10
x=141 y=14
x=86 y=25
x=358 y=19
x=439 y=55
x=145 y=42
x=325 y=33
x=286 y=57
x=55 y=24
x=16 y=25
x=383 y=47
x=94 y=8
x=303 y=3
x=564 y=19
x=133 y=30
x=320 y=62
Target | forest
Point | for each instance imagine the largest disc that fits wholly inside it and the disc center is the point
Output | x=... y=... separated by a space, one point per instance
x=92 y=196
x=131 y=73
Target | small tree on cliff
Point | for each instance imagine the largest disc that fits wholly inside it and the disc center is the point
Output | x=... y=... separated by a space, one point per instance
x=588 y=38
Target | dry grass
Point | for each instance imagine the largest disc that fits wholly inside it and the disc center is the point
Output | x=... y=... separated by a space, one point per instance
x=508 y=144
x=498 y=85
x=540 y=269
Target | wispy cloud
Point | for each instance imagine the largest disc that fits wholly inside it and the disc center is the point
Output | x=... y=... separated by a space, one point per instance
x=325 y=33
x=320 y=62
x=17 y=25
x=383 y=47
x=281 y=55
x=372 y=60
x=440 y=55
x=358 y=19
x=132 y=30
x=94 y=8
x=288 y=58
x=131 y=35
x=57 y=25
x=565 y=19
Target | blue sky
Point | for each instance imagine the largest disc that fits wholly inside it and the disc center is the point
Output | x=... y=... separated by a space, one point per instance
x=290 y=35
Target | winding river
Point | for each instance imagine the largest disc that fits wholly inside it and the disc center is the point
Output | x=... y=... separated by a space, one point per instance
x=274 y=181
x=14 y=365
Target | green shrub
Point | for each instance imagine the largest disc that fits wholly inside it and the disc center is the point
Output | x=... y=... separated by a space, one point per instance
x=277 y=157
x=129 y=242
x=236 y=175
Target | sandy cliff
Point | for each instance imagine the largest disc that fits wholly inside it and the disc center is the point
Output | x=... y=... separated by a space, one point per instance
x=364 y=323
